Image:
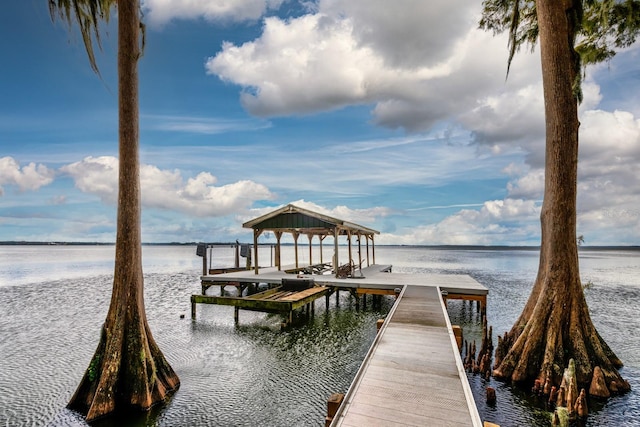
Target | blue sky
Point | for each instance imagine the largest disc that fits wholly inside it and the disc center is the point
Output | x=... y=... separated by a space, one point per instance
x=398 y=118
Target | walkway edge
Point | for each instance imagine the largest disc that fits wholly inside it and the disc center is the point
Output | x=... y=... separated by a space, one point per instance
x=468 y=394
x=363 y=366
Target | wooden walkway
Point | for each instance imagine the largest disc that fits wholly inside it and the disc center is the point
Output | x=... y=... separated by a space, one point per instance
x=413 y=374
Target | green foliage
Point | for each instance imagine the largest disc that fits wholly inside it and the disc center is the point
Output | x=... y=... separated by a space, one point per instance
x=87 y=14
x=94 y=366
x=600 y=27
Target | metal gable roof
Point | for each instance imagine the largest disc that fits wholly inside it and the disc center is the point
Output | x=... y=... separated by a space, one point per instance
x=293 y=218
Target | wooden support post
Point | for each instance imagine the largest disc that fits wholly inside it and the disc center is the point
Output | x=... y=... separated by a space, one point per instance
x=256 y=234
x=193 y=309
x=236 y=315
x=326 y=298
x=373 y=250
x=333 y=404
x=355 y=295
x=295 y=235
x=278 y=259
x=364 y=301
x=457 y=332
x=337 y=297
x=204 y=263
x=368 y=263
x=237 y=256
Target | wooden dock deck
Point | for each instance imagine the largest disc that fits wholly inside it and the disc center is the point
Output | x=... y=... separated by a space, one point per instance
x=374 y=277
x=413 y=374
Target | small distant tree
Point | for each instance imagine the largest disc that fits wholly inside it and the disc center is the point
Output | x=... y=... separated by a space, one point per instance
x=555 y=324
x=128 y=370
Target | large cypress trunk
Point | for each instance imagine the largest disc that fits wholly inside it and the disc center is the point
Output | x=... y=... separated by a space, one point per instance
x=555 y=325
x=128 y=370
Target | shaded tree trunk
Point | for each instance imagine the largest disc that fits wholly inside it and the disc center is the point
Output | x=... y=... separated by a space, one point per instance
x=128 y=370
x=555 y=324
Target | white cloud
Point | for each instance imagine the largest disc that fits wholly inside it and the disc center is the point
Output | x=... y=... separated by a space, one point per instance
x=159 y=12
x=165 y=189
x=609 y=176
x=29 y=177
x=413 y=63
x=608 y=194
x=202 y=125
x=508 y=221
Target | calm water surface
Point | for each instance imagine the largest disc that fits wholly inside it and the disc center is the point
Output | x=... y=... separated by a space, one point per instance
x=53 y=300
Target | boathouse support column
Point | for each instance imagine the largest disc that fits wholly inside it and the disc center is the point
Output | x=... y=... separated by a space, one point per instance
x=256 y=234
x=336 y=260
x=350 y=252
x=204 y=261
x=278 y=251
x=237 y=254
x=321 y=239
x=367 y=236
x=359 y=250
x=310 y=236
x=295 y=245
x=373 y=249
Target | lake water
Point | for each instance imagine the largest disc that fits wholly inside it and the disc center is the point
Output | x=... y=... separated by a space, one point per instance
x=53 y=300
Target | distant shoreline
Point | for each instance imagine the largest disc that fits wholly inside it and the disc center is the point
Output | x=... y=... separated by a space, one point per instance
x=441 y=247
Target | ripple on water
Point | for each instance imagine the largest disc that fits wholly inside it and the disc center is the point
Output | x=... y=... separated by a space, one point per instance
x=255 y=375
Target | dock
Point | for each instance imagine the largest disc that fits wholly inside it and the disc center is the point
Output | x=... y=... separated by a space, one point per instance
x=413 y=374
x=373 y=280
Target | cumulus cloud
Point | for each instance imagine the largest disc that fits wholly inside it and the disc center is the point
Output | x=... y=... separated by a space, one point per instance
x=167 y=189
x=29 y=177
x=413 y=64
x=508 y=221
x=159 y=12
x=608 y=192
x=359 y=216
x=609 y=174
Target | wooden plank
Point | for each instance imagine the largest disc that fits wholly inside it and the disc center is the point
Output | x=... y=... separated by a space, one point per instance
x=244 y=303
x=412 y=376
x=375 y=291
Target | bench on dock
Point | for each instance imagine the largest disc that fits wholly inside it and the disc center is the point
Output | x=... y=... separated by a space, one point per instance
x=310 y=269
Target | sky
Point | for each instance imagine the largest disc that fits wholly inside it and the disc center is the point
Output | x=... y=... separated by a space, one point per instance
x=396 y=116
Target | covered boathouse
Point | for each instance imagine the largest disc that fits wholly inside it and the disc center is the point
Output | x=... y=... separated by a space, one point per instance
x=299 y=221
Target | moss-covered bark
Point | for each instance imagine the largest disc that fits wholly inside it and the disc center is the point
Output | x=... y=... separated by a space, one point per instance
x=128 y=370
x=555 y=325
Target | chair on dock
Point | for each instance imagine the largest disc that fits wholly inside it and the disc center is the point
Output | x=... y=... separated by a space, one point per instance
x=345 y=271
